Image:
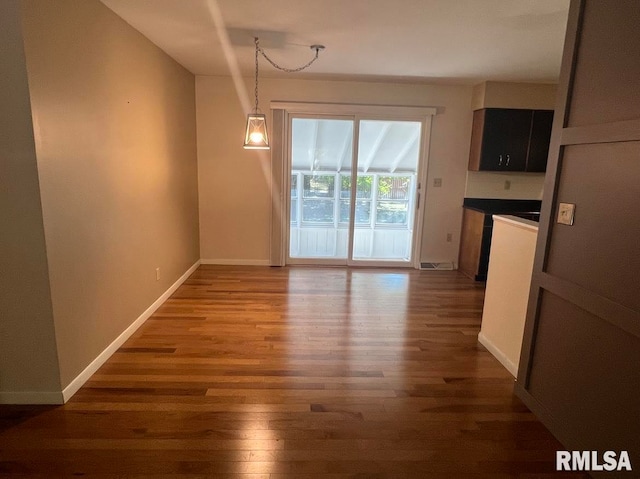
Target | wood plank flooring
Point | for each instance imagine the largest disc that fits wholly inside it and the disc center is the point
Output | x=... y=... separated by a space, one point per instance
x=250 y=372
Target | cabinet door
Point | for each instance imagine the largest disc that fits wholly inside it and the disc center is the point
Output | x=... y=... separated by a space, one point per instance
x=470 y=242
x=540 y=138
x=505 y=139
x=477 y=133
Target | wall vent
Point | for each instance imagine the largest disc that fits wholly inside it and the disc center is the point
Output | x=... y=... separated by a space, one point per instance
x=445 y=266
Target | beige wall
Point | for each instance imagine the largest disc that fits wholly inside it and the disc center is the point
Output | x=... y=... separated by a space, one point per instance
x=115 y=139
x=489 y=184
x=535 y=96
x=28 y=362
x=235 y=197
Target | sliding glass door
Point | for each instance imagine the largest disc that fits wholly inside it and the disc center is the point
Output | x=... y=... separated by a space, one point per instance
x=353 y=206
x=386 y=189
x=321 y=158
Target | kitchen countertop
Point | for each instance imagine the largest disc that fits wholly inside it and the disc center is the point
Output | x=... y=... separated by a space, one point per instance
x=517 y=222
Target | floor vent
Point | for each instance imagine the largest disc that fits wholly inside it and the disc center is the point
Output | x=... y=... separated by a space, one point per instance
x=446 y=266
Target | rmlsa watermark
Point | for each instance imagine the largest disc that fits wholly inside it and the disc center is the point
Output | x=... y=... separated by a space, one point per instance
x=592 y=461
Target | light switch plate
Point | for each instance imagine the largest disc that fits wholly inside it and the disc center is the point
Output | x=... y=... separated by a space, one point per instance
x=437 y=182
x=566 y=212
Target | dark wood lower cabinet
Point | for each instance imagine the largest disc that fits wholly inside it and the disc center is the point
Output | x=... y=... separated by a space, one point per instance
x=477 y=228
x=475 y=243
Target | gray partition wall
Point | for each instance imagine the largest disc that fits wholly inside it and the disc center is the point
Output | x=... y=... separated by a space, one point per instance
x=579 y=369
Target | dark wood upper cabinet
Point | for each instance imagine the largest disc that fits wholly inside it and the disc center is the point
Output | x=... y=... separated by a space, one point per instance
x=539 y=142
x=510 y=139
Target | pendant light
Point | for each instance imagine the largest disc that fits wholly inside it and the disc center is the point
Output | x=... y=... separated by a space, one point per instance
x=256 y=136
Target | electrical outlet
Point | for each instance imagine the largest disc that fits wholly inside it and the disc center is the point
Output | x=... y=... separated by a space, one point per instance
x=449 y=237
x=437 y=182
x=157 y=274
x=507 y=185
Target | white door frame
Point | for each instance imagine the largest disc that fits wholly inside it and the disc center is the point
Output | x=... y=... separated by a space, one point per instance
x=357 y=113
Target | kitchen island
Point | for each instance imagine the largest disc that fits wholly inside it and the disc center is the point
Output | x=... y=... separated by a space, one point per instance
x=513 y=247
x=477 y=226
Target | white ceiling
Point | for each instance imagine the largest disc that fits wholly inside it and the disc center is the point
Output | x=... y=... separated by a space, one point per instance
x=462 y=41
x=327 y=145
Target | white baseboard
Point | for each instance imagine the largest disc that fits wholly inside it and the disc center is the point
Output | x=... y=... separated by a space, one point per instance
x=237 y=262
x=31 y=397
x=82 y=378
x=499 y=355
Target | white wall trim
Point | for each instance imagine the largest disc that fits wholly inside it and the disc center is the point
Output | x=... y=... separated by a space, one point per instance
x=312 y=108
x=82 y=378
x=499 y=355
x=31 y=397
x=237 y=262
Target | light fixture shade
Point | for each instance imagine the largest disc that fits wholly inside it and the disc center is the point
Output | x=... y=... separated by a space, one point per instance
x=256 y=137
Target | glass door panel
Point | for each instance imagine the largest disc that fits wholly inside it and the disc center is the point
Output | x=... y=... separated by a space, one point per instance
x=319 y=213
x=337 y=218
x=386 y=185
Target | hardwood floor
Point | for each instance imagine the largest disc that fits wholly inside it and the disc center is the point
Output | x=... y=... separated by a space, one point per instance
x=249 y=372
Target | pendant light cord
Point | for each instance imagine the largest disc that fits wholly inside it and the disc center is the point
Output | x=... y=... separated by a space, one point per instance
x=317 y=48
x=256 y=137
x=257 y=48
